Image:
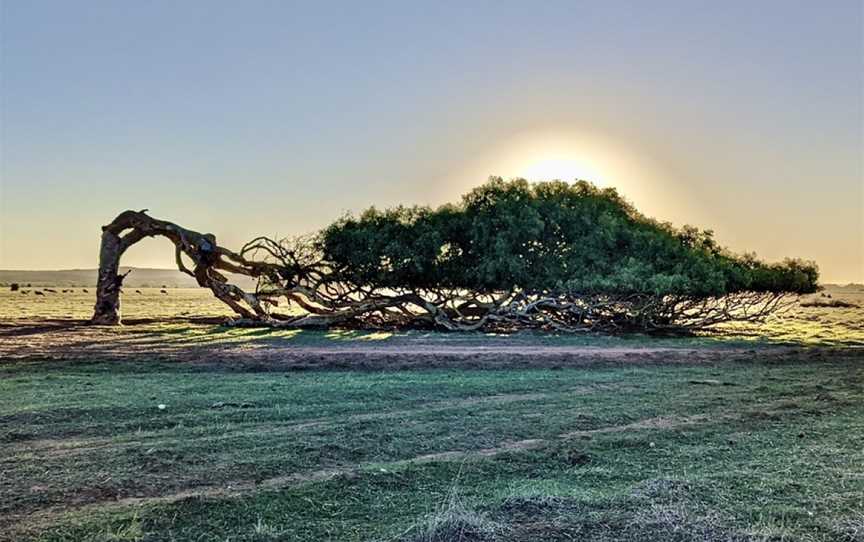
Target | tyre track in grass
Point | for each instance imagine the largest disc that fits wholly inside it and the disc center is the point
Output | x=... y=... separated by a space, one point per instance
x=48 y=448
x=45 y=517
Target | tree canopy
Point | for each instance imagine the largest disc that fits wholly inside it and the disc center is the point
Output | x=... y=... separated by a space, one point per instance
x=545 y=237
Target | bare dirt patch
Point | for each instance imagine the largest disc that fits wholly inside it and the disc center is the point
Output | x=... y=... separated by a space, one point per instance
x=77 y=342
x=660 y=422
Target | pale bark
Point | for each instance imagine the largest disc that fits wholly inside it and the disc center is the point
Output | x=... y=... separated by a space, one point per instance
x=202 y=250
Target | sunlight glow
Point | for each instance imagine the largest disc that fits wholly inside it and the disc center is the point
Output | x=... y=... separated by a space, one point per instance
x=549 y=155
x=560 y=167
x=569 y=155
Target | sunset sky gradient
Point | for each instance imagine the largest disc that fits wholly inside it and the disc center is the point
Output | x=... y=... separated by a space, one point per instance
x=274 y=118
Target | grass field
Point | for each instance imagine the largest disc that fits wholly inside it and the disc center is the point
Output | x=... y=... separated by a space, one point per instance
x=335 y=436
x=78 y=304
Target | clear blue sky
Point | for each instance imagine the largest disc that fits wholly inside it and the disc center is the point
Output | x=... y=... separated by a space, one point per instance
x=246 y=118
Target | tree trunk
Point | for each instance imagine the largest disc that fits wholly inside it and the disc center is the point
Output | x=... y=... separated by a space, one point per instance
x=200 y=248
x=107 y=309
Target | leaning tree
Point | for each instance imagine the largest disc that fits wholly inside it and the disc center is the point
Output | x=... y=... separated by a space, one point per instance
x=511 y=255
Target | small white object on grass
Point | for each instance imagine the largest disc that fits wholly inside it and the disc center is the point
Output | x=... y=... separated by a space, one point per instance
x=651 y=444
x=161 y=406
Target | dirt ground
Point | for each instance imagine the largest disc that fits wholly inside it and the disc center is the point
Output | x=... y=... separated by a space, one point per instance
x=202 y=341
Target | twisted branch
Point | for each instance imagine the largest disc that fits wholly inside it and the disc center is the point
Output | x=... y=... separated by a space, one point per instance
x=293 y=272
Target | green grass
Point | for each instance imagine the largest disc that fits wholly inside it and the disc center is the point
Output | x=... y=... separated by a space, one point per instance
x=716 y=451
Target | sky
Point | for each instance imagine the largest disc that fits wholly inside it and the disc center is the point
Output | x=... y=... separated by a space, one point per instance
x=275 y=118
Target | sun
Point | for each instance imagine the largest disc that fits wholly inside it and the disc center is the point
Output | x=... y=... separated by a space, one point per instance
x=563 y=167
x=547 y=155
x=550 y=156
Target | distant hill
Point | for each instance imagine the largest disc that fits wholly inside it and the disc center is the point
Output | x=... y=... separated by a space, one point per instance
x=140 y=277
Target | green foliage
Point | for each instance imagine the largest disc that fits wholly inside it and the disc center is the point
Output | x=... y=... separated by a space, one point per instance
x=545 y=237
